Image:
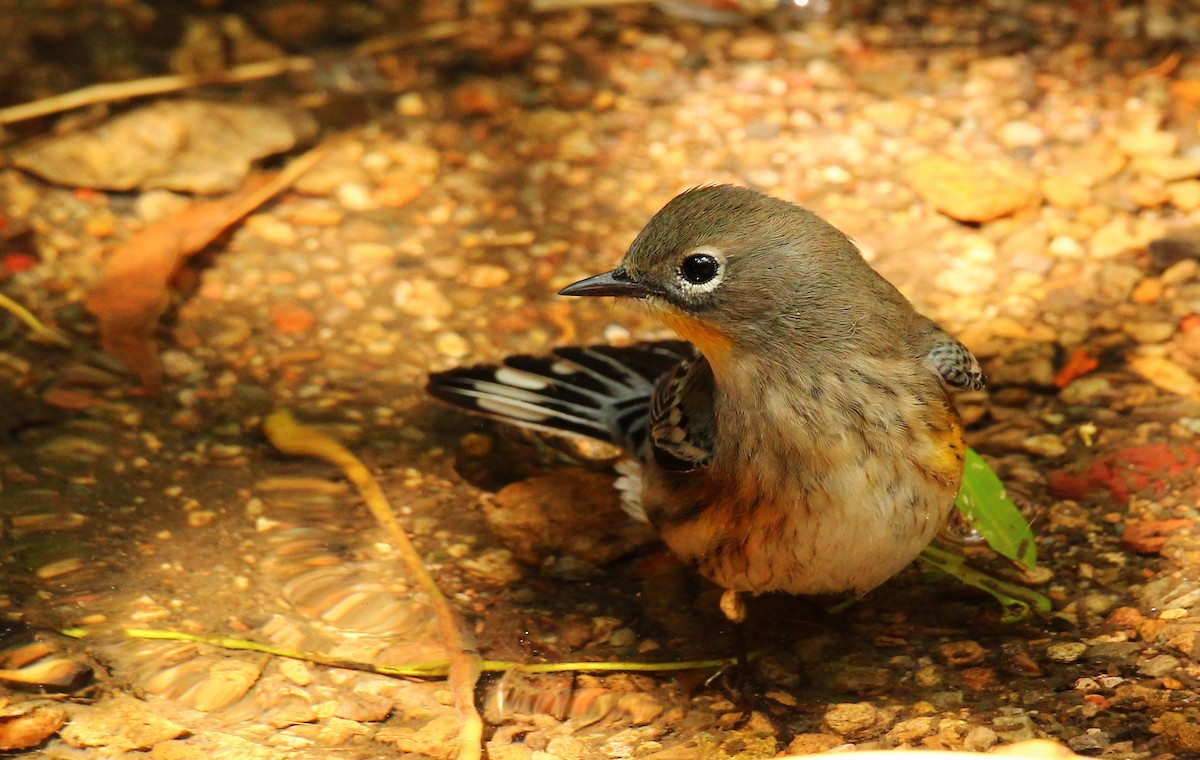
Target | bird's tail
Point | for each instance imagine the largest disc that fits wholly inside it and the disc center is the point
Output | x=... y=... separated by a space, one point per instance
x=600 y=392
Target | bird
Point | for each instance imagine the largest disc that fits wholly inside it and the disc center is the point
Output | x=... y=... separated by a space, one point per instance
x=800 y=437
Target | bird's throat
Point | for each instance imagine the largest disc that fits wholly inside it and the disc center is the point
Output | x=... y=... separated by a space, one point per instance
x=716 y=346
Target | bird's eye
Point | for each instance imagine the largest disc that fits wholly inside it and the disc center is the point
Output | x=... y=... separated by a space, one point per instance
x=699 y=268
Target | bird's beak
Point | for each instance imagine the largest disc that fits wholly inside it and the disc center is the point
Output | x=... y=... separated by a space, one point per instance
x=614 y=283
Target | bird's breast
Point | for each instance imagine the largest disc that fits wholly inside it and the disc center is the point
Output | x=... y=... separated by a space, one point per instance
x=816 y=490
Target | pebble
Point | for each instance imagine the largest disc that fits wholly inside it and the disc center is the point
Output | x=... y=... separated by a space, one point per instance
x=451 y=344
x=1171 y=169
x=1148 y=290
x=27 y=725
x=1013 y=725
x=120 y=723
x=1183 y=737
x=487 y=276
x=980 y=739
x=1149 y=332
x=1092 y=741
x=1021 y=134
x=856 y=721
x=1086 y=390
x=1147 y=143
x=912 y=730
x=1045 y=445
x=1066 y=651
x=1159 y=666
x=1114 y=238
x=496 y=565
x=973 y=192
x=72 y=450
x=959 y=654
x=421 y=298
x=1184 y=195
x=1065 y=192
x=811 y=744
x=1093 y=164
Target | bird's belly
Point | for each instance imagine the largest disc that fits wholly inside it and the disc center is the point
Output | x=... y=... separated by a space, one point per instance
x=832 y=530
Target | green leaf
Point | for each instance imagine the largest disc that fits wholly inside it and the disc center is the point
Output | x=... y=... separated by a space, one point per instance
x=986 y=506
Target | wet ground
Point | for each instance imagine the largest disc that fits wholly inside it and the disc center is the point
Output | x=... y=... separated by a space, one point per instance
x=1027 y=173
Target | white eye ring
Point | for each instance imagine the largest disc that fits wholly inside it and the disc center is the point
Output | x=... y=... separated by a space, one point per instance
x=702 y=270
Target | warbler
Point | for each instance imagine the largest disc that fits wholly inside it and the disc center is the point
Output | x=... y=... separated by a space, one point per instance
x=803 y=439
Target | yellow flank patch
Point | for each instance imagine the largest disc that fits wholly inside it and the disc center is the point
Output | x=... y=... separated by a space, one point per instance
x=947 y=464
x=713 y=343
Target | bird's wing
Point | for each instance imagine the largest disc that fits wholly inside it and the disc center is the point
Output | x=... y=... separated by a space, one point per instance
x=600 y=392
x=957 y=366
x=682 y=425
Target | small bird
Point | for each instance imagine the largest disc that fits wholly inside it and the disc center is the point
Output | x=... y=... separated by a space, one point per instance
x=803 y=439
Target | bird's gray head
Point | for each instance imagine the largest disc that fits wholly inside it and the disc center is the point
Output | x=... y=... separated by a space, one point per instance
x=731 y=267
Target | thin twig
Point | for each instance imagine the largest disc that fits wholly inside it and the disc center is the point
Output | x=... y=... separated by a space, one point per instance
x=543 y=6
x=440 y=30
x=33 y=323
x=110 y=92
x=429 y=669
x=291 y=437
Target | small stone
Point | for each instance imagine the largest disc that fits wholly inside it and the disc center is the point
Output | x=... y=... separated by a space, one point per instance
x=1165 y=374
x=364 y=707
x=813 y=744
x=1021 y=134
x=856 y=721
x=1180 y=272
x=122 y=723
x=912 y=730
x=1092 y=741
x=973 y=192
x=1183 y=737
x=1159 y=666
x=1150 y=536
x=1147 y=143
x=1184 y=195
x=1013 y=725
x=752 y=47
x=504 y=751
x=451 y=344
x=1066 y=651
x=1086 y=390
x=1114 y=238
x=1093 y=164
x=487 y=276
x=1148 y=290
x=421 y=298
x=496 y=565
x=1064 y=192
x=368 y=251
x=1170 y=168
x=959 y=654
x=980 y=679
x=479 y=97
x=1147 y=333
x=24 y=726
x=354 y=196
x=1045 y=445
x=1065 y=247
x=980 y=739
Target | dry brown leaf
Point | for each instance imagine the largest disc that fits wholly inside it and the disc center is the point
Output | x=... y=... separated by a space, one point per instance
x=183 y=145
x=133 y=289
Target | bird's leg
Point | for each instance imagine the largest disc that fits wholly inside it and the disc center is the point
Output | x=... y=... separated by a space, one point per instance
x=733 y=605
